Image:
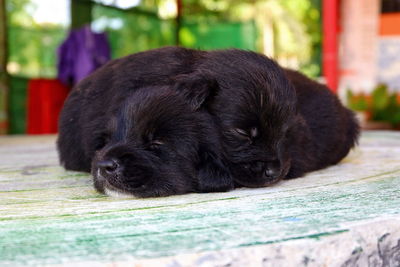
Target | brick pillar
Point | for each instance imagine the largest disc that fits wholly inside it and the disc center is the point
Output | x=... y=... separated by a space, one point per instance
x=359 y=44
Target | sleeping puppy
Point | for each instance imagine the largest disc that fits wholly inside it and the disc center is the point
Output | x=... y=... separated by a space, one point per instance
x=331 y=128
x=245 y=89
x=255 y=106
x=145 y=142
x=275 y=124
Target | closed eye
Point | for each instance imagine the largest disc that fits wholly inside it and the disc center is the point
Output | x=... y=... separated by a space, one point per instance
x=155 y=144
x=242 y=133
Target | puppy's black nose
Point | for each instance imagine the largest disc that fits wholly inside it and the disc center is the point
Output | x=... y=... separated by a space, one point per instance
x=272 y=169
x=271 y=172
x=109 y=166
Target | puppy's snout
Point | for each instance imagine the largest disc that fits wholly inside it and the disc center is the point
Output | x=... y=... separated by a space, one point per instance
x=257 y=167
x=108 y=166
x=272 y=169
x=271 y=172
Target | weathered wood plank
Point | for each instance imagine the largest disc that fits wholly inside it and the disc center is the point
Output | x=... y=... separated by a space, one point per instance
x=346 y=213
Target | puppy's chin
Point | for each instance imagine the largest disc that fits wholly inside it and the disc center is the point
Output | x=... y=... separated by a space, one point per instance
x=98 y=180
x=253 y=181
x=112 y=192
x=103 y=186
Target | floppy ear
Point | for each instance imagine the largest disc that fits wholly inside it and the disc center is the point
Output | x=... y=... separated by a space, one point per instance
x=69 y=142
x=197 y=89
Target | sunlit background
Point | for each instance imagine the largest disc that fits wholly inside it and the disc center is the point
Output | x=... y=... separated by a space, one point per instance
x=353 y=46
x=288 y=30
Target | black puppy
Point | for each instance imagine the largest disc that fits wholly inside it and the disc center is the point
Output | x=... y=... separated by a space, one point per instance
x=255 y=107
x=145 y=142
x=275 y=124
x=248 y=94
x=331 y=130
x=269 y=130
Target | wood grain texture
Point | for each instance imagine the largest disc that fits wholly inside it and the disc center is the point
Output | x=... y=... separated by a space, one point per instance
x=344 y=215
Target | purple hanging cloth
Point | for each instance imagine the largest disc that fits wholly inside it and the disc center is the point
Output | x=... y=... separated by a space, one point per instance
x=80 y=54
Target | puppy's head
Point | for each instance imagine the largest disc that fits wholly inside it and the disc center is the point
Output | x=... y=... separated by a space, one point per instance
x=256 y=107
x=257 y=140
x=148 y=146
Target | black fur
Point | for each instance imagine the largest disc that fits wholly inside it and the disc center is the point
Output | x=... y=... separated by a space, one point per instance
x=274 y=123
x=254 y=104
x=332 y=129
x=145 y=142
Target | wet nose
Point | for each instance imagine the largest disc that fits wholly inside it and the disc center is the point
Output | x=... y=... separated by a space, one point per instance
x=108 y=166
x=271 y=172
x=272 y=169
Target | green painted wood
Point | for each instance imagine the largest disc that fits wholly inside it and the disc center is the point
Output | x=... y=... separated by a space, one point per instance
x=4 y=86
x=49 y=216
x=17 y=100
x=81 y=13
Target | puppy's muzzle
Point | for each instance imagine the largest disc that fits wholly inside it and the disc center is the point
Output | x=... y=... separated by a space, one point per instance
x=272 y=170
x=267 y=170
x=109 y=167
x=262 y=173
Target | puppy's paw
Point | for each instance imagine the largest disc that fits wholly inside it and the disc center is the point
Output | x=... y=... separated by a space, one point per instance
x=213 y=176
x=294 y=173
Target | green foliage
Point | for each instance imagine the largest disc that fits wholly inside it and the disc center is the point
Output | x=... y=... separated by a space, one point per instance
x=309 y=15
x=206 y=24
x=296 y=29
x=18 y=12
x=34 y=50
x=381 y=104
x=219 y=35
x=205 y=30
x=131 y=32
x=32 y=46
x=356 y=102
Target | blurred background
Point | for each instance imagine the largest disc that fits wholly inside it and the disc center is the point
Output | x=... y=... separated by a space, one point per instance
x=47 y=46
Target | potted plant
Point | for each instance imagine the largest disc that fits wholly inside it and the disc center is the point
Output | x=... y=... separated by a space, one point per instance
x=381 y=108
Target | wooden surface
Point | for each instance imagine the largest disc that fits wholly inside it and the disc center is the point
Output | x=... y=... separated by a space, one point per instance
x=345 y=215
